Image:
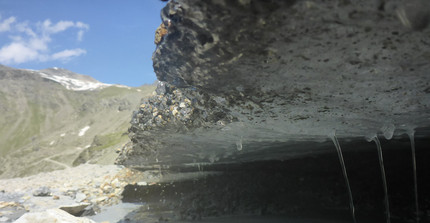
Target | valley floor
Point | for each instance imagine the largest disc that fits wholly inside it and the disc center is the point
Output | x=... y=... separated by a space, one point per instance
x=86 y=189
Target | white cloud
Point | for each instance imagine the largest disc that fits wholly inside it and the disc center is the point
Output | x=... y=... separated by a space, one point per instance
x=5 y=24
x=23 y=27
x=17 y=53
x=40 y=44
x=68 y=54
x=80 y=35
x=59 y=27
x=33 y=43
x=82 y=25
x=49 y=28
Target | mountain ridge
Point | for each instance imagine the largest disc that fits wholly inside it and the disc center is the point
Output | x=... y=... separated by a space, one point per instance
x=44 y=122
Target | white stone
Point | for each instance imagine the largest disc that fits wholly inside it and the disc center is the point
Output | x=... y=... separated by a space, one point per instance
x=80 y=197
x=116 y=183
x=51 y=216
x=143 y=183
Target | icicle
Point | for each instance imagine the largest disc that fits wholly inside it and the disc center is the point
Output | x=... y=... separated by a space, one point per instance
x=239 y=144
x=345 y=174
x=384 y=179
x=414 y=164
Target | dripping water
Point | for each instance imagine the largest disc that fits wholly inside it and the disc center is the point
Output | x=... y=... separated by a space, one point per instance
x=384 y=179
x=414 y=164
x=345 y=174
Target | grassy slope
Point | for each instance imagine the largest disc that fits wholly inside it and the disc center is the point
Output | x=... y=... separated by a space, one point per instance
x=31 y=128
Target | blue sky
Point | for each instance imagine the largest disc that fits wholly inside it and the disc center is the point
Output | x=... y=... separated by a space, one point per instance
x=110 y=40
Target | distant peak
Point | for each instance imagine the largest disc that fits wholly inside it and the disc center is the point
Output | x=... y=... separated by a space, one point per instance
x=71 y=80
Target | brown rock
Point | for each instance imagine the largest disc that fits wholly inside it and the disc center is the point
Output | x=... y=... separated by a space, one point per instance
x=159 y=33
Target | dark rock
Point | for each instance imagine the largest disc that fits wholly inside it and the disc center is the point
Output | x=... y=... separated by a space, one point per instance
x=42 y=192
x=70 y=193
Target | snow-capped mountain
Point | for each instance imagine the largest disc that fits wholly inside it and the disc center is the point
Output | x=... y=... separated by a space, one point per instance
x=71 y=80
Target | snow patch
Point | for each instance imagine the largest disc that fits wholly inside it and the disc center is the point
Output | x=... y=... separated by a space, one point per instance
x=138 y=90
x=52 y=143
x=62 y=135
x=75 y=84
x=87 y=146
x=121 y=86
x=83 y=130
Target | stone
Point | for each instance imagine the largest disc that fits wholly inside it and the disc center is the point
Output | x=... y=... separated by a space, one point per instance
x=42 y=192
x=91 y=210
x=142 y=183
x=107 y=188
x=75 y=209
x=99 y=200
x=160 y=33
x=51 y=216
x=80 y=197
x=161 y=89
x=116 y=183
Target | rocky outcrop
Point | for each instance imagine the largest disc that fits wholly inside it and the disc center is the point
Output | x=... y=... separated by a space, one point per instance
x=250 y=79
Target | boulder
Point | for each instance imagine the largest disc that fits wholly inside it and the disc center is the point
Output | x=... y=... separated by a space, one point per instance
x=51 y=216
x=75 y=209
x=42 y=192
